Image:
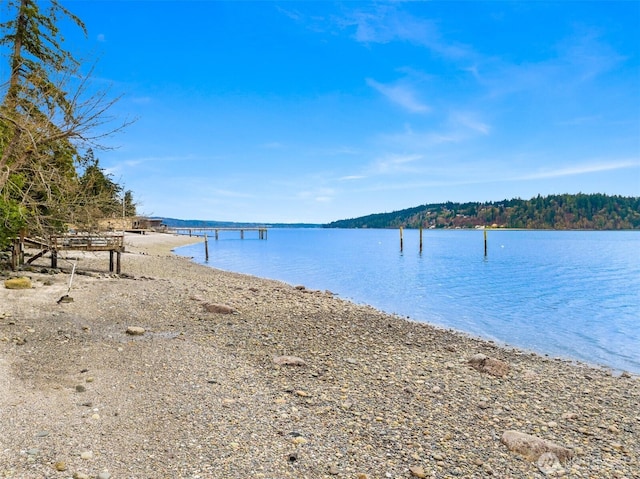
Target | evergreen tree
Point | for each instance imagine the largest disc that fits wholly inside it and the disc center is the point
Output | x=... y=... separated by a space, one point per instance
x=45 y=120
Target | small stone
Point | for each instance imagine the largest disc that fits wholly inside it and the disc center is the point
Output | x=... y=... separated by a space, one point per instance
x=42 y=434
x=303 y=394
x=80 y=475
x=33 y=452
x=417 y=471
x=333 y=470
x=288 y=361
x=218 y=308
x=89 y=379
x=549 y=464
x=86 y=455
x=485 y=364
x=80 y=388
x=60 y=466
x=104 y=475
x=533 y=447
x=135 y=331
x=65 y=299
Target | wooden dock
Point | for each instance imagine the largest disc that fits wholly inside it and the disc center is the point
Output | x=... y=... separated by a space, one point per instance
x=262 y=232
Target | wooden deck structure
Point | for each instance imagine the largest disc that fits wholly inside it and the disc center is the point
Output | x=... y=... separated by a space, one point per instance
x=113 y=243
x=262 y=232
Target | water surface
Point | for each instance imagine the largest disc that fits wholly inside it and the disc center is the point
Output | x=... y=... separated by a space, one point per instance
x=570 y=294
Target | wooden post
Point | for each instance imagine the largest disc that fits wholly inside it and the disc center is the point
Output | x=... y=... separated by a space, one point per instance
x=118 y=262
x=14 y=256
x=401 y=240
x=111 y=261
x=21 y=247
x=485 y=242
x=421 y=239
x=206 y=248
x=216 y=235
x=54 y=258
x=241 y=234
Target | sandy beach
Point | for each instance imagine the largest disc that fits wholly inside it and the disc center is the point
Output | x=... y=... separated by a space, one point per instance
x=177 y=370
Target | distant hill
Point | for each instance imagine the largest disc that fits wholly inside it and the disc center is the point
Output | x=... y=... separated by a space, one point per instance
x=559 y=212
x=177 y=223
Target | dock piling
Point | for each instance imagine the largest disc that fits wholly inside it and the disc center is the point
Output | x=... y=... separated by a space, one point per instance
x=485 y=242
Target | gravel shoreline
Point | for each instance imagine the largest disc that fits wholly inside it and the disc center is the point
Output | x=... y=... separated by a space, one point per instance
x=240 y=377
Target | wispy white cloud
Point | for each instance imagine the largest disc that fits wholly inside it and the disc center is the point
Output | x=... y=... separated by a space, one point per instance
x=394 y=163
x=420 y=140
x=586 y=54
x=217 y=192
x=400 y=94
x=577 y=59
x=470 y=121
x=319 y=195
x=436 y=177
x=384 y=23
x=580 y=169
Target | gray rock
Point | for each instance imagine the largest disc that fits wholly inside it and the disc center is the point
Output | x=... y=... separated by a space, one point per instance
x=533 y=447
x=218 y=308
x=492 y=366
x=549 y=464
x=135 y=331
x=289 y=361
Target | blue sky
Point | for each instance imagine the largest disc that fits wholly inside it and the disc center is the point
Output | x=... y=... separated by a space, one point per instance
x=317 y=111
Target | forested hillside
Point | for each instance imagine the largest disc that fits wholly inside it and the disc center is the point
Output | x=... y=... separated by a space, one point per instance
x=561 y=212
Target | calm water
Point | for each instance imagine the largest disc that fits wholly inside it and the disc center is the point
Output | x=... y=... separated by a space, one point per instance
x=569 y=294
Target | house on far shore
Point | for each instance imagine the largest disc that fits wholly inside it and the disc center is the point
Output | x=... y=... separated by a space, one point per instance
x=132 y=224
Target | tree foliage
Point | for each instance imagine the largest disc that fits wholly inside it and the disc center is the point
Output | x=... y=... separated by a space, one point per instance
x=560 y=212
x=47 y=120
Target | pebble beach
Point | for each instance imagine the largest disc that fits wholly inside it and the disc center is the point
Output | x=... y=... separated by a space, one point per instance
x=177 y=370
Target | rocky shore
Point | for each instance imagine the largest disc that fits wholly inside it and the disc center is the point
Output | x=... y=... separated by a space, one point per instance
x=176 y=370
